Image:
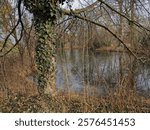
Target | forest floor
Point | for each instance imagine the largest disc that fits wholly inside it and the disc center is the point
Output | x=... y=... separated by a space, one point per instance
x=19 y=94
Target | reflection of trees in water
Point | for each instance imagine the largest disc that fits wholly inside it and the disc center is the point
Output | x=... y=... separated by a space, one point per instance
x=78 y=68
x=68 y=69
x=142 y=78
x=88 y=67
x=102 y=69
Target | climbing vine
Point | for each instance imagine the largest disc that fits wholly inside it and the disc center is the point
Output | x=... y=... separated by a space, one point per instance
x=45 y=14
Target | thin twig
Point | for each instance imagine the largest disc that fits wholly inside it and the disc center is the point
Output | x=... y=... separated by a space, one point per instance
x=107 y=29
x=21 y=34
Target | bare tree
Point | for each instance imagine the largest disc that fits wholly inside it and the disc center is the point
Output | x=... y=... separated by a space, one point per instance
x=45 y=16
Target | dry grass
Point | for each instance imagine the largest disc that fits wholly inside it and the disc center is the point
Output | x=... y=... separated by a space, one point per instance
x=75 y=103
x=18 y=94
x=13 y=77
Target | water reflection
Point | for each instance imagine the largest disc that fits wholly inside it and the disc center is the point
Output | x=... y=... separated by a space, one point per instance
x=81 y=70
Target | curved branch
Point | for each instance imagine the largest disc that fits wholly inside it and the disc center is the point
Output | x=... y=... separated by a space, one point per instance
x=134 y=22
x=21 y=34
x=107 y=29
x=78 y=11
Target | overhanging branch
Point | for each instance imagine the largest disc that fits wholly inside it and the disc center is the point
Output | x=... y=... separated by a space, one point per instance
x=78 y=11
x=17 y=24
x=124 y=16
x=104 y=27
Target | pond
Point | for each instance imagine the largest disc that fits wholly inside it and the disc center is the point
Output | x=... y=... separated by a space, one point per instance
x=84 y=71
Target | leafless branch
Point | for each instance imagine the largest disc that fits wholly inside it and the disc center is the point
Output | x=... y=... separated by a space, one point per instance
x=21 y=34
x=107 y=29
x=131 y=21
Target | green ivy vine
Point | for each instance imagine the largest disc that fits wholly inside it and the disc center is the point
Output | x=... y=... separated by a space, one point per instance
x=45 y=14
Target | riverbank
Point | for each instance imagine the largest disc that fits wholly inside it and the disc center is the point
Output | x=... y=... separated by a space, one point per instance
x=107 y=48
x=139 y=51
x=114 y=102
x=18 y=94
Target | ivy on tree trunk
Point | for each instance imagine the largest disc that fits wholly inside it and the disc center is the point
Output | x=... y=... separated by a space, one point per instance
x=44 y=16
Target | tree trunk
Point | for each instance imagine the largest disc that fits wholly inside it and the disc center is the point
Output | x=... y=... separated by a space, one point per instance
x=44 y=13
x=120 y=31
x=45 y=56
x=133 y=46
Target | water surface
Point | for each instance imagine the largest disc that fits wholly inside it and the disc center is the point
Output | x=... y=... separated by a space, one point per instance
x=81 y=70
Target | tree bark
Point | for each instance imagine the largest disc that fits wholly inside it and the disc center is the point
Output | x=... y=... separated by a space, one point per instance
x=44 y=13
x=133 y=46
